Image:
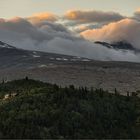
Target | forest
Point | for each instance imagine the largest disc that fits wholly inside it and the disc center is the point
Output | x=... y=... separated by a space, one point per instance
x=32 y=109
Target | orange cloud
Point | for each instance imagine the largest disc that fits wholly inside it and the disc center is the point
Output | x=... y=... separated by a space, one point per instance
x=42 y=17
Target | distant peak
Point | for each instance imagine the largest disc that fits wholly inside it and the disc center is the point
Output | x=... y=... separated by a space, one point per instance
x=121 y=45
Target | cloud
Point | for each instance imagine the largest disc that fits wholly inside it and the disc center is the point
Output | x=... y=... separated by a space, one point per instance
x=21 y=33
x=83 y=48
x=84 y=27
x=91 y=16
x=137 y=14
x=19 y=28
x=50 y=36
x=42 y=17
x=81 y=28
x=125 y=30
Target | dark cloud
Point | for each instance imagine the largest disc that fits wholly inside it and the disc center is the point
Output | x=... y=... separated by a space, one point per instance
x=22 y=27
x=92 y=16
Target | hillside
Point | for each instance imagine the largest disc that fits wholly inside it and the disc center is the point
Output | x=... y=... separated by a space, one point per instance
x=65 y=70
x=13 y=58
x=33 y=109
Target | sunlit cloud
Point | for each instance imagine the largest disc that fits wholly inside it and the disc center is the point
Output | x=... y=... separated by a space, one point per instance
x=43 y=17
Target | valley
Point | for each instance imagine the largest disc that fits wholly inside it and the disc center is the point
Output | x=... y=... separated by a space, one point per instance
x=68 y=70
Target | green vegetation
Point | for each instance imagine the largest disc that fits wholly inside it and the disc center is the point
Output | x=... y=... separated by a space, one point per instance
x=33 y=109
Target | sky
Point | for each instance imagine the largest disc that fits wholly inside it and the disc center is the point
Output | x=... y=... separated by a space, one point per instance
x=72 y=27
x=12 y=8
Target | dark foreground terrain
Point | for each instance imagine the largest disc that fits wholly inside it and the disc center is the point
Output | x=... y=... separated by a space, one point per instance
x=33 y=109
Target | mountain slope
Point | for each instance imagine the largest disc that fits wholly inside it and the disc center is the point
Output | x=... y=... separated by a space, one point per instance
x=12 y=57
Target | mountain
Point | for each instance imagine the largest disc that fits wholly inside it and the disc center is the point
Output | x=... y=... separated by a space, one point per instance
x=12 y=57
x=117 y=45
x=68 y=70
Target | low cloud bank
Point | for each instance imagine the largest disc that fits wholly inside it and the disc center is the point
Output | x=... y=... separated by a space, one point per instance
x=43 y=32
